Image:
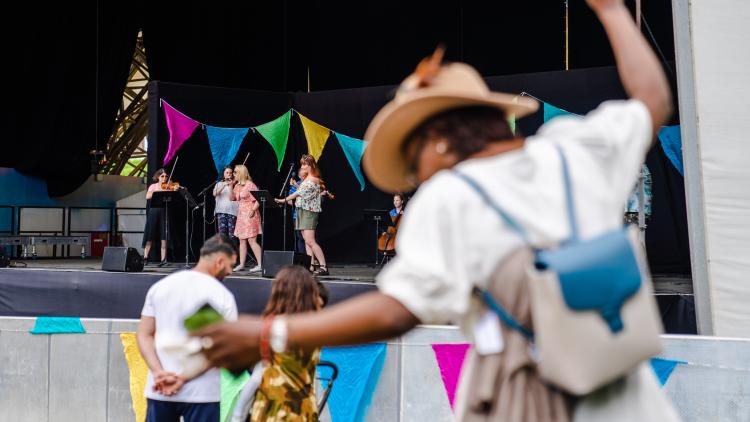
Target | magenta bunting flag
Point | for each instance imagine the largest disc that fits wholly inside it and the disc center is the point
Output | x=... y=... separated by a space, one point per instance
x=180 y=128
x=450 y=358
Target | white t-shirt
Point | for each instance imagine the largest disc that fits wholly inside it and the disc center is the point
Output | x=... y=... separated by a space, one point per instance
x=450 y=239
x=170 y=301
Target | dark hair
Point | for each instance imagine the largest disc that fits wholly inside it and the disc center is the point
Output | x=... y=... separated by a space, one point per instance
x=293 y=291
x=218 y=243
x=157 y=173
x=322 y=292
x=468 y=130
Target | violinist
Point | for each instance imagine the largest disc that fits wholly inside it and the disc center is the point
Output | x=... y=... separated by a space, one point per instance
x=156 y=221
x=307 y=201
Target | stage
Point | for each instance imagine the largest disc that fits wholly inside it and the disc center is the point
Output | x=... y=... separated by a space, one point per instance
x=77 y=287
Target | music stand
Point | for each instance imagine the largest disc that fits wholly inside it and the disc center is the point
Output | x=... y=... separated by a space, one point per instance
x=165 y=199
x=378 y=216
x=189 y=203
x=262 y=196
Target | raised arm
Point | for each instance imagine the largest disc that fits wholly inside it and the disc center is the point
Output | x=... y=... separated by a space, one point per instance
x=640 y=72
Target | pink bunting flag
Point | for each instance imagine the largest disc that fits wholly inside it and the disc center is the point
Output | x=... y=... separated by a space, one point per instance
x=450 y=358
x=180 y=128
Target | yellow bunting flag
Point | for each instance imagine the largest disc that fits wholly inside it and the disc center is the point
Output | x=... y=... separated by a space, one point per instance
x=316 y=135
x=138 y=374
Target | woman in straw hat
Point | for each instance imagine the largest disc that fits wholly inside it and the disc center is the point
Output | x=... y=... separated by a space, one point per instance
x=444 y=118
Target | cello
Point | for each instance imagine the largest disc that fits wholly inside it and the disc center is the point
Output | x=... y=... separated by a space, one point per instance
x=387 y=240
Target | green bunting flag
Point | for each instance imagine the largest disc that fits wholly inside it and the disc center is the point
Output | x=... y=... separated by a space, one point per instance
x=276 y=132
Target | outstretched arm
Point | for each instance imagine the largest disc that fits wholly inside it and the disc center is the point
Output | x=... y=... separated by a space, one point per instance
x=369 y=317
x=640 y=72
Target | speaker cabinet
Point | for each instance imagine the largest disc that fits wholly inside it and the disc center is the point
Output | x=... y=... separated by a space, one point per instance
x=123 y=259
x=273 y=261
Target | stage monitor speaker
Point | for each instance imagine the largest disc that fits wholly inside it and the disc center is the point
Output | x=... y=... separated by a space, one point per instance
x=124 y=259
x=273 y=261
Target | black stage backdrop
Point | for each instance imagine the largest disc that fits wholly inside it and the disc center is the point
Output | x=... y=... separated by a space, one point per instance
x=344 y=232
x=60 y=91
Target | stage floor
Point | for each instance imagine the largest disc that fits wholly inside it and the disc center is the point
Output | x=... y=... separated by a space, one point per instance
x=356 y=273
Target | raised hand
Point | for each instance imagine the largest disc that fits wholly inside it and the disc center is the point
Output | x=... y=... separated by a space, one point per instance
x=598 y=5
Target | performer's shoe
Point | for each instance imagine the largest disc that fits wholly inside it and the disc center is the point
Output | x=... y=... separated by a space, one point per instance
x=162 y=264
x=321 y=271
x=239 y=267
x=255 y=269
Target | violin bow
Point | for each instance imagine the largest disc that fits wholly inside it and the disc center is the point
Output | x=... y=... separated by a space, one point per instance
x=173 y=167
x=246 y=157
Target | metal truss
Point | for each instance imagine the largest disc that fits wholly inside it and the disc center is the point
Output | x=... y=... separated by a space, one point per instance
x=126 y=146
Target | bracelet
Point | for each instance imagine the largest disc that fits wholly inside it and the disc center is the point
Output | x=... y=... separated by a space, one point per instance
x=264 y=346
x=279 y=335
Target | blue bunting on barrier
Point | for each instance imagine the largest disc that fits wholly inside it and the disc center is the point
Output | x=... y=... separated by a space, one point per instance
x=359 y=369
x=550 y=112
x=224 y=143
x=57 y=325
x=664 y=367
x=671 y=143
x=353 y=149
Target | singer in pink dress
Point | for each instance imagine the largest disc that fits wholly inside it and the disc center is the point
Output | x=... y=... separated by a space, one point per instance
x=248 y=225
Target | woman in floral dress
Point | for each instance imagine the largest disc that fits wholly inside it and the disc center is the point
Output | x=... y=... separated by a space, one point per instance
x=248 y=217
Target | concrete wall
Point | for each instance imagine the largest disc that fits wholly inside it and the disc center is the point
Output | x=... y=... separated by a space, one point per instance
x=84 y=377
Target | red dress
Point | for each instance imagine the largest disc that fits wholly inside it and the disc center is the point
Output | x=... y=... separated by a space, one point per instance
x=247 y=226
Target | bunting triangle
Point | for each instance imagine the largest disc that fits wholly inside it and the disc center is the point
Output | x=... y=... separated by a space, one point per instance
x=180 y=126
x=671 y=143
x=231 y=387
x=550 y=112
x=224 y=143
x=316 y=135
x=276 y=132
x=450 y=359
x=358 y=373
x=663 y=368
x=353 y=149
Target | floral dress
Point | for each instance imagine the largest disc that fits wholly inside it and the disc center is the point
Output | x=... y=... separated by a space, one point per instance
x=247 y=226
x=287 y=392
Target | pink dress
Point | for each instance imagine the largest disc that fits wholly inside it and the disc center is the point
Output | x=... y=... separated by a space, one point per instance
x=247 y=226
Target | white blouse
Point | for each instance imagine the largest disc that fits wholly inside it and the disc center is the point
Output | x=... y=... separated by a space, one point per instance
x=450 y=240
x=224 y=203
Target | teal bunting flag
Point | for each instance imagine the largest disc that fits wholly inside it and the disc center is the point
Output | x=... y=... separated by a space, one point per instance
x=359 y=370
x=671 y=143
x=58 y=325
x=224 y=143
x=550 y=112
x=353 y=149
x=664 y=367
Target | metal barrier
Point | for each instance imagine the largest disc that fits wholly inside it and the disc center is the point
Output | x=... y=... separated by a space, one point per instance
x=17 y=235
x=78 y=377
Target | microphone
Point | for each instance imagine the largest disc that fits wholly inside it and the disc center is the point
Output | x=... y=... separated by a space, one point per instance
x=199 y=205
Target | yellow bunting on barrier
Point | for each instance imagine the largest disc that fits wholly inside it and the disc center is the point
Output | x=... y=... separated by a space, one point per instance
x=138 y=373
x=316 y=135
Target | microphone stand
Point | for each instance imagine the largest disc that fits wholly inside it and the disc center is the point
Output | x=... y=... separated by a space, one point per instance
x=281 y=193
x=204 y=193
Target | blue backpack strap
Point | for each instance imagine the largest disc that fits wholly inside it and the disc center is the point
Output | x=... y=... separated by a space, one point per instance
x=486 y=297
x=572 y=220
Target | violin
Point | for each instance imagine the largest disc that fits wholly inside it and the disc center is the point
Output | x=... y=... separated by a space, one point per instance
x=170 y=185
x=387 y=240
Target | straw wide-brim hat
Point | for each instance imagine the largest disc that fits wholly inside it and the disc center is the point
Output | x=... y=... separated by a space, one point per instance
x=454 y=85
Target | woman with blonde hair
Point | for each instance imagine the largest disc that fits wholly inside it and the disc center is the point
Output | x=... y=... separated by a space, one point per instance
x=248 y=225
x=307 y=201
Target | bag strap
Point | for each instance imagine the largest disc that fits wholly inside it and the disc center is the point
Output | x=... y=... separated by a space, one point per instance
x=504 y=315
x=572 y=220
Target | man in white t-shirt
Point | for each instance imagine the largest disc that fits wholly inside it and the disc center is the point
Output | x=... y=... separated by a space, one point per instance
x=170 y=392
